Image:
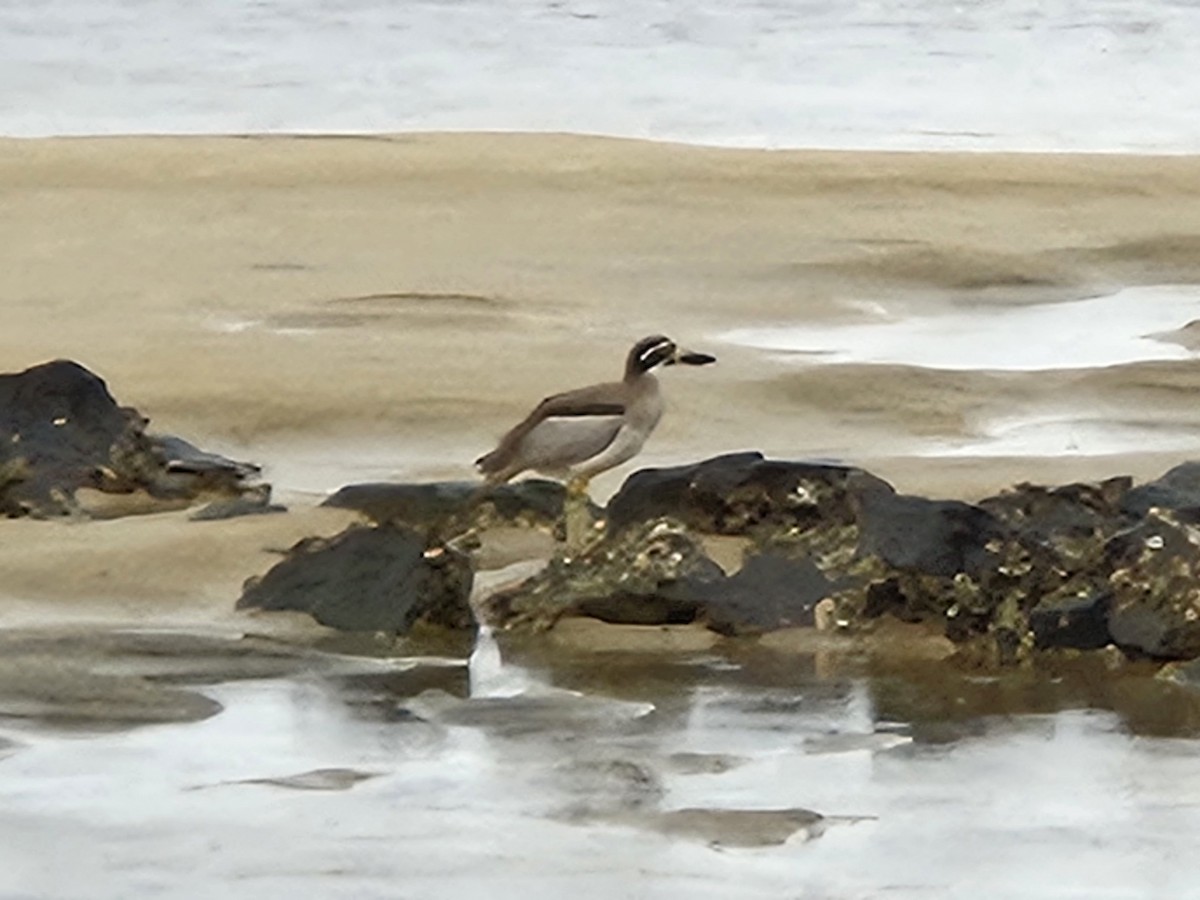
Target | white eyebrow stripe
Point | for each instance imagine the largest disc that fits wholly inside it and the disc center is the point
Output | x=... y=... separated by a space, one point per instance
x=587 y=417
x=646 y=354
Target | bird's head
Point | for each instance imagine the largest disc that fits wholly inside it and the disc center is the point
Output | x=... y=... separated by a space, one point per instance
x=658 y=350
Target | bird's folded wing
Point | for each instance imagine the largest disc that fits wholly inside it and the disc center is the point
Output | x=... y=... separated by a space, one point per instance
x=594 y=400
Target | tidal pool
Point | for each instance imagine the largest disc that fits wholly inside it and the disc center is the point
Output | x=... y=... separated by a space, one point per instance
x=616 y=775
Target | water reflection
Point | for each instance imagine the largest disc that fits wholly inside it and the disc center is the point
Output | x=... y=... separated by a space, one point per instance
x=615 y=775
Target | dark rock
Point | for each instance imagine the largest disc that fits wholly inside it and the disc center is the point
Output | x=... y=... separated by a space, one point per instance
x=740 y=492
x=933 y=537
x=1073 y=520
x=828 y=531
x=768 y=592
x=1026 y=569
x=448 y=505
x=650 y=575
x=169 y=468
x=737 y=827
x=1144 y=630
x=57 y=423
x=368 y=579
x=1155 y=583
x=1073 y=566
x=183 y=468
x=656 y=607
x=1179 y=488
x=12 y=472
x=61 y=430
x=1072 y=620
x=658 y=574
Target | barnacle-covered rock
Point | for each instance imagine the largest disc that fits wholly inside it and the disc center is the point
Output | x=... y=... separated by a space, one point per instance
x=646 y=576
x=741 y=493
x=1077 y=566
x=659 y=574
x=930 y=537
x=769 y=592
x=920 y=560
x=1178 y=488
x=1066 y=527
x=1155 y=583
x=1075 y=616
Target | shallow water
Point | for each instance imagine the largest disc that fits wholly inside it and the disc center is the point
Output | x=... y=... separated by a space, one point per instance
x=1071 y=433
x=940 y=786
x=1128 y=326
x=1015 y=74
x=1101 y=331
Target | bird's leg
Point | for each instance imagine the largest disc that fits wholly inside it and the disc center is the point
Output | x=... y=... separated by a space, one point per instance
x=576 y=516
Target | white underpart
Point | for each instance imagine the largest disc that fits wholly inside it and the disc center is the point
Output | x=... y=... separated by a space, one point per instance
x=641 y=418
x=558 y=443
x=624 y=446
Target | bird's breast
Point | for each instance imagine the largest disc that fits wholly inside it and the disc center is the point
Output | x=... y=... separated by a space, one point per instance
x=645 y=406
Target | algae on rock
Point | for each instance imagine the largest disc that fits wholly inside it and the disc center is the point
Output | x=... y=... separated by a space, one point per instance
x=640 y=576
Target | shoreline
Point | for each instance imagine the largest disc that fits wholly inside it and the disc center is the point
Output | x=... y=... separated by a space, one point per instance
x=485 y=132
x=392 y=305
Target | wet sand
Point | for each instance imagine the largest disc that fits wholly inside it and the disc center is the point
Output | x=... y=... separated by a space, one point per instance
x=363 y=308
x=418 y=292
x=343 y=309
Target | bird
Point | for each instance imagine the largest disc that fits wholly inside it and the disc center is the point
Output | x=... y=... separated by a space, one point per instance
x=592 y=429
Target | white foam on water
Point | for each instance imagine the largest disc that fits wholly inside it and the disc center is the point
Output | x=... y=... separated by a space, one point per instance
x=1101 y=331
x=1011 y=74
x=488 y=675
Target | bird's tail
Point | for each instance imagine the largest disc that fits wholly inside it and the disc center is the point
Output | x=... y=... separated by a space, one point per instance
x=491 y=467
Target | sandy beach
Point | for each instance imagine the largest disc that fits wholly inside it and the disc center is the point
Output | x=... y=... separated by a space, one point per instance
x=383 y=307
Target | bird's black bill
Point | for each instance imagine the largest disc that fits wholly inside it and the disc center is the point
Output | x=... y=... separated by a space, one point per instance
x=688 y=358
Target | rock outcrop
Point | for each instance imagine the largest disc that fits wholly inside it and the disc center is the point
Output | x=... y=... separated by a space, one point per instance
x=377 y=579
x=1154 y=605
x=1078 y=566
x=653 y=574
x=61 y=430
x=745 y=493
x=406 y=565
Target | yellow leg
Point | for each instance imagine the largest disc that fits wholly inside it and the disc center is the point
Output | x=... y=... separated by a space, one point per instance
x=576 y=517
